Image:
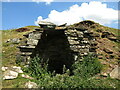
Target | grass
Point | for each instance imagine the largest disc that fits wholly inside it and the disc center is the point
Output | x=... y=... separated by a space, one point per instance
x=88 y=67
x=9 y=52
x=19 y=82
x=9 y=56
x=85 y=75
x=105 y=28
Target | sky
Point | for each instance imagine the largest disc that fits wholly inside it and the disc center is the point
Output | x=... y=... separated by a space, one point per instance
x=20 y=14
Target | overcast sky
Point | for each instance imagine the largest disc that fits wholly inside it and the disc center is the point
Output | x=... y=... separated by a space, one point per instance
x=19 y=14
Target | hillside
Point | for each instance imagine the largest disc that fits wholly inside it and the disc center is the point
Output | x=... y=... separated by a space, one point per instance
x=107 y=49
x=108 y=42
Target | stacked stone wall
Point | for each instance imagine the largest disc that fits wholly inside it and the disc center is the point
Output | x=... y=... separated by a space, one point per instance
x=61 y=46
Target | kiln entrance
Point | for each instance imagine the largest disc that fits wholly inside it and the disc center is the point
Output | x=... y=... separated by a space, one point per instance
x=54 y=48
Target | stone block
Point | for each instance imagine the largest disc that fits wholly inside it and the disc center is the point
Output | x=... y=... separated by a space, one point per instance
x=9 y=74
x=34 y=36
x=113 y=38
x=92 y=49
x=26 y=53
x=73 y=34
x=84 y=50
x=95 y=35
x=106 y=34
x=82 y=47
x=73 y=38
x=85 y=42
x=73 y=42
x=74 y=48
x=93 y=43
x=115 y=73
x=26 y=48
x=88 y=32
x=109 y=51
x=80 y=33
x=4 y=68
x=14 y=40
x=31 y=47
x=32 y=42
x=80 y=36
x=80 y=28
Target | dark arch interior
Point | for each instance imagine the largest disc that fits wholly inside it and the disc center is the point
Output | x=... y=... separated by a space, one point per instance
x=54 y=47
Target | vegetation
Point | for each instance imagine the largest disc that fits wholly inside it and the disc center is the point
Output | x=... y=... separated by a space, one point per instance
x=88 y=67
x=84 y=75
x=19 y=82
x=9 y=49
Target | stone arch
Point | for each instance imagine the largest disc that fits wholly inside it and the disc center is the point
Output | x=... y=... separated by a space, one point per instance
x=54 y=47
x=60 y=45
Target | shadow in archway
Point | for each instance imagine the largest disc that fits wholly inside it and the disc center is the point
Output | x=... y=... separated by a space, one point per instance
x=54 y=47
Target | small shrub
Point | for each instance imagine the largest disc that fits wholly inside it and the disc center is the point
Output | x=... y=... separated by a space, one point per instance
x=37 y=69
x=82 y=77
x=88 y=67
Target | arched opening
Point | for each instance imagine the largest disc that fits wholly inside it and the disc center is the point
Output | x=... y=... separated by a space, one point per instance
x=55 y=48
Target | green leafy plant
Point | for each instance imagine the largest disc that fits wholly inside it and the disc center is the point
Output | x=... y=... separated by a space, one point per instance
x=88 y=67
x=37 y=69
x=83 y=75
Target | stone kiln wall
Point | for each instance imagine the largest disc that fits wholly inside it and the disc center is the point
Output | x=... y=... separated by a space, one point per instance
x=62 y=46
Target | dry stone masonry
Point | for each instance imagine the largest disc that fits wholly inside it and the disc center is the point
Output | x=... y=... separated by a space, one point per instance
x=61 y=45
